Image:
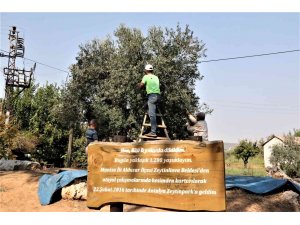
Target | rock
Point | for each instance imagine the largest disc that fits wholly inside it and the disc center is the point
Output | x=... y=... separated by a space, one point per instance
x=291 y=197
x=34 y=166
x=276 y=172
x=75 y=191
x=297 y=180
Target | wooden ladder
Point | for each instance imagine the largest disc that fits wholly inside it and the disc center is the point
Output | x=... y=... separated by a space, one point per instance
x=159 y=126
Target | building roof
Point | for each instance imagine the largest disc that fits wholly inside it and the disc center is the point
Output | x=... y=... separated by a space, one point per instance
x=281 y=138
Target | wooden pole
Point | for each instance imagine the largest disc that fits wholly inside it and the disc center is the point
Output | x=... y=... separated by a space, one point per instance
x=70 y=147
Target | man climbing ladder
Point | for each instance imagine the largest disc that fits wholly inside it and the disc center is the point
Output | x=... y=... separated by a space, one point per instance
x=151 y=82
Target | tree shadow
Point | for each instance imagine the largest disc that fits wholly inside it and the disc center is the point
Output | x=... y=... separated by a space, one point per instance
x=36 y=174
x=239 y=200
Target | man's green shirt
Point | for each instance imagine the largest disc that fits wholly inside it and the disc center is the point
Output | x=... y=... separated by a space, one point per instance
x=152 y=84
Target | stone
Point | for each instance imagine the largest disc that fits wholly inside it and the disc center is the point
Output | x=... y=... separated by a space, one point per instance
x=75 y=191
x=291 y=197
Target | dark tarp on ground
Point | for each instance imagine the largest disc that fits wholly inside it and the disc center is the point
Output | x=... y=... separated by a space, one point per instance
x=49 y=184
x=10 y=165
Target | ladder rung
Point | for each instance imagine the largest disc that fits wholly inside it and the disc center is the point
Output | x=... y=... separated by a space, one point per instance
x=156 y=138
x=157 y=114
x=159 y=126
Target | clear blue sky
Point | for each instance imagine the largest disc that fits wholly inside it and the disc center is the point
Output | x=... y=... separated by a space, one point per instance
x=252 y=98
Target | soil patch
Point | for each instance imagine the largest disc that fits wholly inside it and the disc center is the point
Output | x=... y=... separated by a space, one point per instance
x=18 y=193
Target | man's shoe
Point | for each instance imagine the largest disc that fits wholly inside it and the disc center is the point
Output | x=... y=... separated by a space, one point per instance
x=151 y=135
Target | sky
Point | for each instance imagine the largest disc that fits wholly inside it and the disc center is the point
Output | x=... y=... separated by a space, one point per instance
x=252 y=97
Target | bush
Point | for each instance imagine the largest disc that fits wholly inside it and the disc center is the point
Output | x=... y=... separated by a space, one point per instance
x=287 y=156
x=7 y=133
x=25 y=142
x=15 y=142
x=79 y=158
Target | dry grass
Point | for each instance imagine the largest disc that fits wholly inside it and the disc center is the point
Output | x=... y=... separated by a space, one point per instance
x=234 y=166
x=2 y=189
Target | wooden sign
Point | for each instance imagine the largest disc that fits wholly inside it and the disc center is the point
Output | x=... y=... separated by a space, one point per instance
x=180 y=175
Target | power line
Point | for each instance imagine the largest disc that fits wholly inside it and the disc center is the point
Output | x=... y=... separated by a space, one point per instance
x=47 y=65
x=255 y=108
x=212 y=60
x=41 y=63
x=264 y=105
x=250 y=56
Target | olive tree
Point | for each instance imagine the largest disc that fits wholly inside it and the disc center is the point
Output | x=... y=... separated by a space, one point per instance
x=287 y=156
x=103 y=79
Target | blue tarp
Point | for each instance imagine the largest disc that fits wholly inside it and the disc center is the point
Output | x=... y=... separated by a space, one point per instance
x=49 y=184
x=259 y=185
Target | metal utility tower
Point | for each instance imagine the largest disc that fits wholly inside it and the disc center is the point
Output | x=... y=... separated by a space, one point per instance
x=16 y=80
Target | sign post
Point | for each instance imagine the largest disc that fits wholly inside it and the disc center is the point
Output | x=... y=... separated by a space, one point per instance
x=179 y=175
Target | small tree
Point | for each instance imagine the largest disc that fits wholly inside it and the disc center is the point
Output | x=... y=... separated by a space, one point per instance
x=245 y=150
x=287 y=156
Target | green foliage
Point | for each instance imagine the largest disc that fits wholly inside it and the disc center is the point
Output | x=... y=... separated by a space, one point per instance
x=245 y=150
x=68 y=111
x=13 y=140
x=297 y=132
x=104 y=78
x=7 y=133
x=79 y=158
x=260 y=145
x=287 y=156
x=22 y=107
x=24 y=141
x=43 y=123
x=42 y=133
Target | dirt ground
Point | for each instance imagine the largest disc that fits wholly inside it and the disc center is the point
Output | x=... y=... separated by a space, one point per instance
x=18 y=193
